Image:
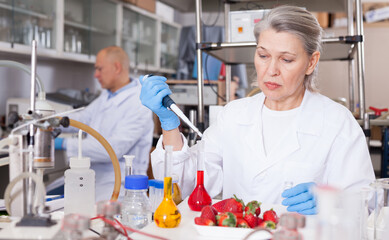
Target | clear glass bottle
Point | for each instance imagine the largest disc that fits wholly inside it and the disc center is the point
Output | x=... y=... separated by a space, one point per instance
x=136 y=206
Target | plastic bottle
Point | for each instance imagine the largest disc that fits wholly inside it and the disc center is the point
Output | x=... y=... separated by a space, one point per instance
x=136 y=206
x=80 y=185
x=158 y=187
x=199 y=197
x=177 y=196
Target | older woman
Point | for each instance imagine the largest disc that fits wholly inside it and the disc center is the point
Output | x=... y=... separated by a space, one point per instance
x=289 y=133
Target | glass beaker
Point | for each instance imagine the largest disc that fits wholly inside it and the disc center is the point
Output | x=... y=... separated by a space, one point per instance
x=381 y=209
x=340 y=213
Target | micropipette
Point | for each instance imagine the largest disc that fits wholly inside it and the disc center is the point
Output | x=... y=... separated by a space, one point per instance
x=171 y=105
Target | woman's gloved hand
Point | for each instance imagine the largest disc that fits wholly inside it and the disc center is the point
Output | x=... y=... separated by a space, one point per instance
x=154 y=89
x=300 y=199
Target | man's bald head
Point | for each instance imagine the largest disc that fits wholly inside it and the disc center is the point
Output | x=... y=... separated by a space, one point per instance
x=115 y=53
x=112 y=68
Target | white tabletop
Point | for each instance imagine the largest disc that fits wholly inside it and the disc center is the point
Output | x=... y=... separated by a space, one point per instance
x=188 y=230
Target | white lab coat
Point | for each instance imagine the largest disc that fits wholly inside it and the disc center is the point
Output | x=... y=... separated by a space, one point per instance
x=126 y=124
x=325 y=145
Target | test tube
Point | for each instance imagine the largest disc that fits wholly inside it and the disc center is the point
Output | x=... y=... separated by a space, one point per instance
x=288 y=185
x=158 y=193
x=152 y=193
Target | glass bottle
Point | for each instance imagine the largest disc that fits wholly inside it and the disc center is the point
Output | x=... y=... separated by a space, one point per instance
x=199 y=197
x=167 y=214
x=136 y=206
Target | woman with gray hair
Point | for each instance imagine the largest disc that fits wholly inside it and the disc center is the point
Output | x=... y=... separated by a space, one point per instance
x=287 y=135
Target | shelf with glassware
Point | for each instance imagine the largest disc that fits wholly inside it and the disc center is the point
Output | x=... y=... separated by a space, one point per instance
x=75 y=31
x=20 y=22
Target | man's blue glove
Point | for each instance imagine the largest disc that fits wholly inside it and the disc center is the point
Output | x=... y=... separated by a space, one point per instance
x=58 y=144
x=154 y=89
x=300 y=199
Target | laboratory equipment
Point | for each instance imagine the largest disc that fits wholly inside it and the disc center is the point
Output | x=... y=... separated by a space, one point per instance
x=128 y=164
x=170 y=104
x=108 y=210
x=136 y=206
x=167 y=214
x=340 y=213
x=288 y=224
x=381 y=209
x=177 y=196
x=73 y=226
x=158 y=187
x=80 y=185
x=199 y=197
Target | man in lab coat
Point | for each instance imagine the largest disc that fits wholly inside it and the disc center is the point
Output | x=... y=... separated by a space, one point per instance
x=118 y=115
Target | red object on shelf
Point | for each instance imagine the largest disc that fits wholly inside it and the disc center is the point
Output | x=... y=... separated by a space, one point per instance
x=199 y=197
x=378 y=111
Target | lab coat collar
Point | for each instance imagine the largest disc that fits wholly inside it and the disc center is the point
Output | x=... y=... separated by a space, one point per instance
x=308 y=121
x=122 y=96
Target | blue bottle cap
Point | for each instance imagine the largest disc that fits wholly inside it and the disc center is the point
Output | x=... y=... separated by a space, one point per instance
x=136 y=182
x=152 y=183
x=159 y=184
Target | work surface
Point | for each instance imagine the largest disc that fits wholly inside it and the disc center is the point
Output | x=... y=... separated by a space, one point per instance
x=188 y=230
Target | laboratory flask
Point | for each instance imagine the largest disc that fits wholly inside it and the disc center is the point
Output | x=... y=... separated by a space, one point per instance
x=136 y=206
x=199 y=197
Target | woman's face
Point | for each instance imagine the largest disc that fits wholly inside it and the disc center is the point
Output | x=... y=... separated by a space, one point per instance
x=281 y=64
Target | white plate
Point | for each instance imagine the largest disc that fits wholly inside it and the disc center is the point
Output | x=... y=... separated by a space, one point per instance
x=230 y=232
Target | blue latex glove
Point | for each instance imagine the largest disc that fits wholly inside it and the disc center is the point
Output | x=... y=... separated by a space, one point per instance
x=300 y=199
x=154 y=89
x=58 y=144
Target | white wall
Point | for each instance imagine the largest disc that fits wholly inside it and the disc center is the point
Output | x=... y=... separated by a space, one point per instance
x=54 y=74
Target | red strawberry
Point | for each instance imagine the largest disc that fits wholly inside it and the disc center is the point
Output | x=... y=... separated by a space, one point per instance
x=251 y=219
x=254 y=207
x=234 y=205
x=238 y=215
x=226 y=219
x=270 y=215
x=220 y=206
x=241 y=223
x=204 y=221
x=260 y=220
x=209 y=212
x=268 y=224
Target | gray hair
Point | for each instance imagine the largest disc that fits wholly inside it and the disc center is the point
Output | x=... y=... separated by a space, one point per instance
x=299 y=22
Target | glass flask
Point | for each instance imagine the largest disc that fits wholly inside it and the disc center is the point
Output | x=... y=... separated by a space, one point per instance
x=167 y=214
x=199 y=197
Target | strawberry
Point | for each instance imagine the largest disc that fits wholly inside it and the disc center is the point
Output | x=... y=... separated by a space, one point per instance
x=204 y=221
x=238 y=215
x=241 y=223
x=209 y=212
x=260 y=220
x=270 y=215
x=220 y=206
x=251 y=219
x=234 y=205
x=226 y=219
x=268 y=224
x=254 y=207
